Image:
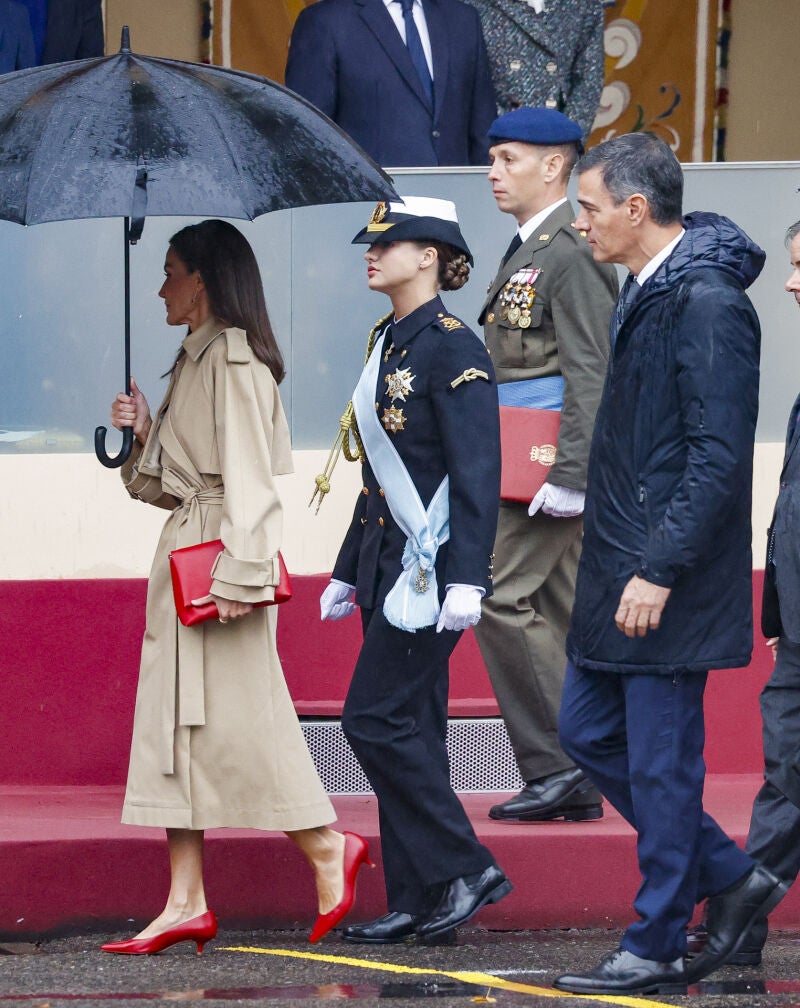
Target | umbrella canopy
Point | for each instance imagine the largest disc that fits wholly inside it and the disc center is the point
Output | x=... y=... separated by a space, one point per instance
x=133 y=136
x=212 y=141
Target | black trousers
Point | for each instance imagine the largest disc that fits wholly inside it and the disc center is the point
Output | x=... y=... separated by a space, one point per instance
x=395 y=719
x=774 y=836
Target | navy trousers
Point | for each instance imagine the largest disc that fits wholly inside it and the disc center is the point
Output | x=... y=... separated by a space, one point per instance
x=395 y=719
x=640 y=739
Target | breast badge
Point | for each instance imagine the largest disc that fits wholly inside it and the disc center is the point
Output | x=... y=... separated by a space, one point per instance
x=394 y=419
x=398 y=385
x=517 y=297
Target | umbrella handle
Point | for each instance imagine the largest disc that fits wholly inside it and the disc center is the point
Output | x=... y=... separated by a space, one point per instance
x=102 y=454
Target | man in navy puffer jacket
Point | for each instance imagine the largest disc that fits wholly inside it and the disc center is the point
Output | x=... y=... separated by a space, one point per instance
x=664 y=584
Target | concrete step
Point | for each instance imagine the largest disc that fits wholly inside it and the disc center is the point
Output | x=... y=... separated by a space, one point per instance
x=67 y=865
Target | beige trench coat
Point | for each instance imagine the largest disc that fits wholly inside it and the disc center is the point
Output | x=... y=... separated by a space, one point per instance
x=216 y=741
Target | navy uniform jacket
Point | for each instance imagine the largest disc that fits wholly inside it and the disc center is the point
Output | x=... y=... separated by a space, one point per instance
x=348 y=58
x=445 y=431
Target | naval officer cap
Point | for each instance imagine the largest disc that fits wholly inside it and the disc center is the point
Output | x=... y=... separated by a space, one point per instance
x=416 y=218
x=536 y=126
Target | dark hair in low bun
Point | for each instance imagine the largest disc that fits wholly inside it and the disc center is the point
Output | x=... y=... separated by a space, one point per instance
x=453 y=265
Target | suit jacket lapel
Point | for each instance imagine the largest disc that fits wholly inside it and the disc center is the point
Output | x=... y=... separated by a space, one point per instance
x=440 y=37
x=379 y=21
x=544 y=35
x=560 y=218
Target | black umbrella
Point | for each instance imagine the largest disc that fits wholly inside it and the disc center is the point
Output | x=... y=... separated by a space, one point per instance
x=129 y=136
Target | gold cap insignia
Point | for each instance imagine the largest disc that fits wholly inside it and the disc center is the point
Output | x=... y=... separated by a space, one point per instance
x=378 y=214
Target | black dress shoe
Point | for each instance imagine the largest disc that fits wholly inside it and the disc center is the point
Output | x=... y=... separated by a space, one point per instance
x=392 y=927
x=622 y=972
x=731 y=914
x=567 y=795
x=462 y=898
x=749 y=953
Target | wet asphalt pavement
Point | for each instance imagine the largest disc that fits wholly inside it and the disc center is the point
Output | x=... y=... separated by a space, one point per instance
x=282 y=969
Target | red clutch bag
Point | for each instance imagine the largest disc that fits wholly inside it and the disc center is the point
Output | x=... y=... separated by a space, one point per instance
x=190 y=568
x=528 y=442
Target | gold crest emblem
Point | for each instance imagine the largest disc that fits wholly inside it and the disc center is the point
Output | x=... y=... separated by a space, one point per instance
x=543 y=454
x=394 y=419
x=378 y=214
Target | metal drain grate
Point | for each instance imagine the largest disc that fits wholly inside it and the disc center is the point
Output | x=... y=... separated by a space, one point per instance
x=481 y=758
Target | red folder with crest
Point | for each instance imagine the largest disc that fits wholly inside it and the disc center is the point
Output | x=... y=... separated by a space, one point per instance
x=528 y=443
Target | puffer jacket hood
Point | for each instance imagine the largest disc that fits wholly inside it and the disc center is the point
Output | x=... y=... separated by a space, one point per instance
x=715 y=241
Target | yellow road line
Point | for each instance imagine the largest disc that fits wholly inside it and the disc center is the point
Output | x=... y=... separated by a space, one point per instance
x=483 y=980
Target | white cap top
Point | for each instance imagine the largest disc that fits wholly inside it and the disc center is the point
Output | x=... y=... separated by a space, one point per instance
x=426 y=206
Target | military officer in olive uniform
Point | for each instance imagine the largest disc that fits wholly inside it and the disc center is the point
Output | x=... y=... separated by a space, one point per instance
x=546 y=320
x=416 y=561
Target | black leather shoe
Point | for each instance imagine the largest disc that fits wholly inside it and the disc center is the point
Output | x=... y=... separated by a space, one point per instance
x=567 y=795
x=462 y=898
x=622 y=972
x=731 y=914
x=749 y=953
x=392 y=927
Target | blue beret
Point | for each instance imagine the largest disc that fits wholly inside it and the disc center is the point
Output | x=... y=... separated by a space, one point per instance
x=536 y=126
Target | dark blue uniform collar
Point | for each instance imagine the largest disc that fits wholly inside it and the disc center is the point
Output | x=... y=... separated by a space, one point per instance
x=408 y=327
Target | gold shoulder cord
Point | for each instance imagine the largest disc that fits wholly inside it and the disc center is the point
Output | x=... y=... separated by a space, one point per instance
x=347 y=425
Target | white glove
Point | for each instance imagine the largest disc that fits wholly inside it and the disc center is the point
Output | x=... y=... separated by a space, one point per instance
x=461 y=608
x=336 y=601
x=558 y=502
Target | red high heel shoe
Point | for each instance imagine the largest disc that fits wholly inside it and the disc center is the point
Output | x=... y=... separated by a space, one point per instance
x=199 y=930
x=356 y=853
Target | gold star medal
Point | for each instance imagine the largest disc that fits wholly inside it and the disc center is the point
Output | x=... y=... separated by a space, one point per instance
x=399 y=384
x=393 y=419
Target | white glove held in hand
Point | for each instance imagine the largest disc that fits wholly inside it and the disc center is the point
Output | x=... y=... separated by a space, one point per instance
x=461 y=608
x=336 y=601
x=558 y=502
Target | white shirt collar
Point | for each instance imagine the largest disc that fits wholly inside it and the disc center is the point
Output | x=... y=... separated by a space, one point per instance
x=526 y=230
x=647 y=271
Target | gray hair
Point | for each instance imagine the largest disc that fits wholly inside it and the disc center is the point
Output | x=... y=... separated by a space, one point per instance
x=639 y=163
x=792 y=233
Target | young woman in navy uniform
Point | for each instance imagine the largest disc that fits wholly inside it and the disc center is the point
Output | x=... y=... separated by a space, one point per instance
x=416 y=560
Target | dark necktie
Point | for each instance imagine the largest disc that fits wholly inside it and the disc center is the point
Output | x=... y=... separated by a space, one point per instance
x=513 y=245
x=630 y=291
x=415 y=50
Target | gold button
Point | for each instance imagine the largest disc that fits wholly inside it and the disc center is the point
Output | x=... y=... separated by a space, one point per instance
x=490 y=317
x=381 y=492
x=380 y=521
x=365 y=491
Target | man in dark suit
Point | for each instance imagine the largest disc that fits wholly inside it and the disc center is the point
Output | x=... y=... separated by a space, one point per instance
x=74 y=30
x=664 y=587
x=409 y=94
x=774 y=835
x=561 y=342
x=16 y=39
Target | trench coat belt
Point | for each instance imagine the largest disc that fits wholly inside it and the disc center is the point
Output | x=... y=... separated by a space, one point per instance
x=188 y=681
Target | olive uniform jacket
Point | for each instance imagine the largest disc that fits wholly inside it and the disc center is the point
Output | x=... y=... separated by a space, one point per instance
x=568 y=333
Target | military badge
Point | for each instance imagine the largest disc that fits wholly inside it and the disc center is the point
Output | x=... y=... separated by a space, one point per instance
x=517 y=297
x=399 y=384
x=394 y=419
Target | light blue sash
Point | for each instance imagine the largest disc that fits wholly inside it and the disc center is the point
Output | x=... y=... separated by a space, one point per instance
x=413 y=602
x=536 y=393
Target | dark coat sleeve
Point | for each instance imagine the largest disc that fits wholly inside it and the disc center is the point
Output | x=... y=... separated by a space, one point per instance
x=717 y=357
x=469 y=429
x=311 y=65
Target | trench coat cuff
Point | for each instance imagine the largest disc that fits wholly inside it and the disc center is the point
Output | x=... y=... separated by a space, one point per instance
x=661 y=578
x=245 y=580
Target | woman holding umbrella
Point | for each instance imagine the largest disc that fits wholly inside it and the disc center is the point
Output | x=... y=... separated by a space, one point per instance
x=216 y=741
x=417 y=560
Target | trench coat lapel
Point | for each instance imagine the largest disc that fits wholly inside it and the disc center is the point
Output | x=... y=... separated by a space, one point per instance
x=792 y=434
x=375 y=16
